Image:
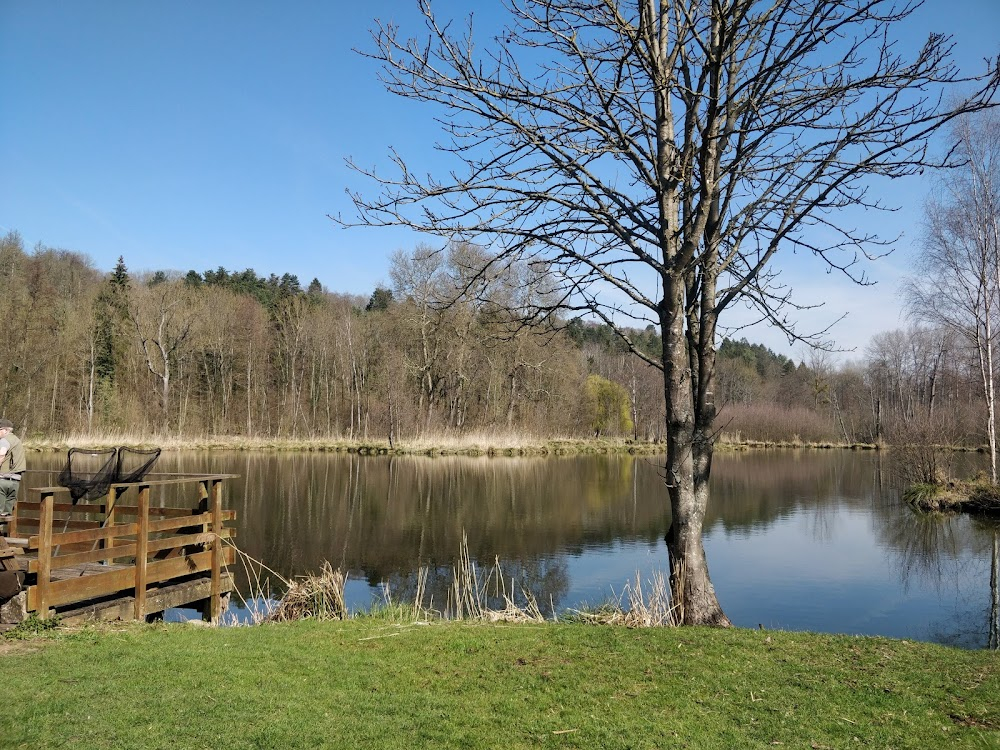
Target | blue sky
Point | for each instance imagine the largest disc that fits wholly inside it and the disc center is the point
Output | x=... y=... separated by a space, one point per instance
x=197 y=134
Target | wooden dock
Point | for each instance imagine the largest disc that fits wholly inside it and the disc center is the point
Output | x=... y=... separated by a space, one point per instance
x=125 y=557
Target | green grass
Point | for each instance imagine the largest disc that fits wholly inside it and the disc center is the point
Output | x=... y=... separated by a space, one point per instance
x=928 y=495
x=979 y=495
x=374 y=683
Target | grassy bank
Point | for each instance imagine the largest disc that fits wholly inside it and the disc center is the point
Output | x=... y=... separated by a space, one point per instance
x=976 y=496
x=372 y=683
x=475 y=444
x=443 y=444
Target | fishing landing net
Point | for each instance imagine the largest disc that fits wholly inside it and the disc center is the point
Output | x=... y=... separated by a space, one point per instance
x=134 y=464
x=89 y=473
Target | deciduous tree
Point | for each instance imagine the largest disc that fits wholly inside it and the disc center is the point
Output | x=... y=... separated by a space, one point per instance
x=654 y=157
x=958 y=284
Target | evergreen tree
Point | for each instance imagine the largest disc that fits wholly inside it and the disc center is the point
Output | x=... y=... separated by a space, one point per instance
x=381 y=299
x=109 y=339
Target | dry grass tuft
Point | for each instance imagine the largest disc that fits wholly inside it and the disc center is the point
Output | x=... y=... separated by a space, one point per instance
x=652 y=610
x=318 y=596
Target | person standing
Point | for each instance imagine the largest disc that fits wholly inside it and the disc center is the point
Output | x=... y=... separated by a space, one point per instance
x=12 y=463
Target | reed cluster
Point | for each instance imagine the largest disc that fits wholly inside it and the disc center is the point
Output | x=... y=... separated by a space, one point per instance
x=319 y=596
x=636 y=607
x=475 y=595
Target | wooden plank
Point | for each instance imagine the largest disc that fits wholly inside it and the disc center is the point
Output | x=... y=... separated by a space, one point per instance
x=60 y=562
x=67 y=549
x=7 y=555
x=44 y=583
x=57 y=491
x=87 y=535
x=131 y=510
x=82 y=588
x=159 y=600
x=124 y=510
x=59 y=523
x=74 y=577
x=169 y=524
x=141 y=555
x=27 y=506
x=166 y=548
x=87 y=587
x=186 y=540
x=30 y=510
x=148 y=480
x=85 y=569
x=154 y=476
x=129 y=549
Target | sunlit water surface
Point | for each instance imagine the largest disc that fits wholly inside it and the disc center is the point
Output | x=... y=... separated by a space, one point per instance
x=796 y=540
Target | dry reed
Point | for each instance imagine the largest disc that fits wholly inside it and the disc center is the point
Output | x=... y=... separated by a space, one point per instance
x=655 y=609
x=473 y=596
x=469 y=597
x=318 y=596
x=259 y=601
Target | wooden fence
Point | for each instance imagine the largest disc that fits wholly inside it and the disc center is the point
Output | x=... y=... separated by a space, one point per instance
x=123 y=554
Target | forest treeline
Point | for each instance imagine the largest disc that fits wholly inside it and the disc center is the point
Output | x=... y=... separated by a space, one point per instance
x=221 y=352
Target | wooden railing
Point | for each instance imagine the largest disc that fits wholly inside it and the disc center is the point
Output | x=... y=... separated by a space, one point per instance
x=141 y=546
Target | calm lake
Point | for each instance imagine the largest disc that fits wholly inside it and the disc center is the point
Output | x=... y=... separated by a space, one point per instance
x=797 y=540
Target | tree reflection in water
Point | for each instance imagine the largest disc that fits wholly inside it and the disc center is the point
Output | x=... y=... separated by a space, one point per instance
x=800 y=539
x=946 y=551
x=382 y=518
x=994 y=619
x=923 y=544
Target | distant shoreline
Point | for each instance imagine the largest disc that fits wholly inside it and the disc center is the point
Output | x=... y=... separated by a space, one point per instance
x=436 y=445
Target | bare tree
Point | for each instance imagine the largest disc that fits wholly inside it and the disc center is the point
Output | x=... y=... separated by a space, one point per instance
x=163 y=315
x=417 y=278
x=655 y=156
x=958 y=284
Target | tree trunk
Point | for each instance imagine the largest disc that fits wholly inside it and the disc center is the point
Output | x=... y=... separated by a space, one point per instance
x=90 y=388
x=994 y=623
x=985 y=345
x=690 y=583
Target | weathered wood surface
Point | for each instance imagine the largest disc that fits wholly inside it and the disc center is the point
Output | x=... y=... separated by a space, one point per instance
x=187 y=593
x=104 y=580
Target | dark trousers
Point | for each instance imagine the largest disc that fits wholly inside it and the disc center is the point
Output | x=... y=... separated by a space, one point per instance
x=8 y=494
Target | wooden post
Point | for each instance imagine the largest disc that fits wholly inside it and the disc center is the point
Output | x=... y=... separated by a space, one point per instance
x=45 y=553
x=109 y=516
x=142 y=552
x=215 y=605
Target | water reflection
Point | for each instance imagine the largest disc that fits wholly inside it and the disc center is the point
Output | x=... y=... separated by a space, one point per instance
x=810 y=540
x=994 y=618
